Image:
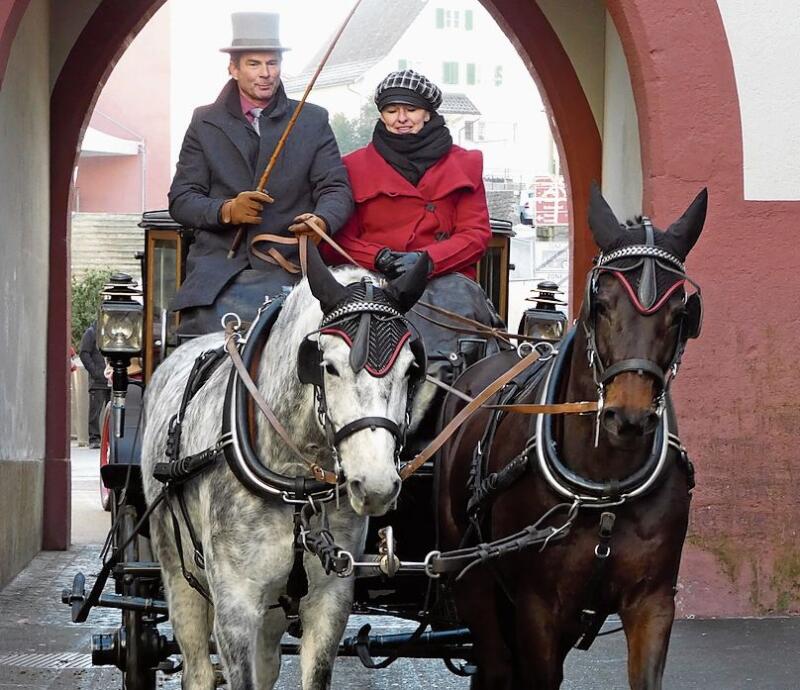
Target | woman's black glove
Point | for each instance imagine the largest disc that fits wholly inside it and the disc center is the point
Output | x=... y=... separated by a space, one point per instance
x=394 y=264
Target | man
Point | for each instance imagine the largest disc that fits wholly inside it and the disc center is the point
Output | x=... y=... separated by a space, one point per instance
x=99 y=392
x=224 y=153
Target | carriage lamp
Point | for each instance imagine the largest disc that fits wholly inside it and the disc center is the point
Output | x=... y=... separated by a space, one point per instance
x=544 y=321
x=119 y=337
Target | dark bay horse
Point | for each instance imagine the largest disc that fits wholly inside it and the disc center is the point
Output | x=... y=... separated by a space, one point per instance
x=621 y=477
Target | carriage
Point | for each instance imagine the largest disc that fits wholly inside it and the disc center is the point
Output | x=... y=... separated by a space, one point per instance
x=500 y=503
x=137 y=647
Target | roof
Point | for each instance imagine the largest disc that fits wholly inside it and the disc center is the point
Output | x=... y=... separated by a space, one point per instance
x=457 y=104
x=97 y=143
x=371 y=34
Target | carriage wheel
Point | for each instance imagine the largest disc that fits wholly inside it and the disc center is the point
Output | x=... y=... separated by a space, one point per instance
x=139 y=675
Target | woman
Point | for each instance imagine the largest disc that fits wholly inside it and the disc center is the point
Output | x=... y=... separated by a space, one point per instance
x=415 y=191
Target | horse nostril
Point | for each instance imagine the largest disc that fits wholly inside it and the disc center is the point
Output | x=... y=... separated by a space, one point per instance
x=650 y=421
x=396 y=484
x=357 y=488
x=610 y=420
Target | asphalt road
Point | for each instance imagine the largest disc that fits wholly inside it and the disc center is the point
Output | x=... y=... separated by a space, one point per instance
x=41 y=649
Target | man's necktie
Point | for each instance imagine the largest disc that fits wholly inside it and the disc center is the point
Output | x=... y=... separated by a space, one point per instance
x=256 y=113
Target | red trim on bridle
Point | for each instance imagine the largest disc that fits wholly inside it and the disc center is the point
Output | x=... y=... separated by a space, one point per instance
x=621 y=276
x=371 y=370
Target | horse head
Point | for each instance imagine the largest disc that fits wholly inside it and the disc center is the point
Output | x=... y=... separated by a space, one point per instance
x=364 y=365
x=638 y=314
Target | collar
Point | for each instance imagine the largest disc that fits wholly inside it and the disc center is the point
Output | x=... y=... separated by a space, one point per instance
x=248 y=105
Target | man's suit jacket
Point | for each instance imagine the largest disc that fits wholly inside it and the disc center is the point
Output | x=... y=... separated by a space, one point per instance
x=223 y=155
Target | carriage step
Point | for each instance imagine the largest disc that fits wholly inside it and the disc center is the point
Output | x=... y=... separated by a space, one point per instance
x=141 y=568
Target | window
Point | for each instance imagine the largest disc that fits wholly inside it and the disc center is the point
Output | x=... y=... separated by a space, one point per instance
x=468 y=20
x=471 y=78
x=402 y=64
x=469 y=130
x=451 y=19
x=498 y=75
x=439 y=18
x=450 y=73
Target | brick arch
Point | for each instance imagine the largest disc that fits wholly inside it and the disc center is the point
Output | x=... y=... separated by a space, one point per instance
x=576 y=133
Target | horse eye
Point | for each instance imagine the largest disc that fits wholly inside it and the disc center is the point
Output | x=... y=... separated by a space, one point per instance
x=332 y=370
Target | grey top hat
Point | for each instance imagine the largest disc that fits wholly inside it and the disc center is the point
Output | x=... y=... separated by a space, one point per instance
x=254 y=31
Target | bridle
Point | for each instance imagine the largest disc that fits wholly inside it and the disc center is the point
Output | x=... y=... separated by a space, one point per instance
x=647 y=258
x=376 y=330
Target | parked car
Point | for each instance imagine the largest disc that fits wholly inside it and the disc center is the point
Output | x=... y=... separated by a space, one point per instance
x=525 y=207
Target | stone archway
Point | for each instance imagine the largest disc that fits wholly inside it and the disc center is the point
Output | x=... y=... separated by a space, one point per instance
x=91 y=60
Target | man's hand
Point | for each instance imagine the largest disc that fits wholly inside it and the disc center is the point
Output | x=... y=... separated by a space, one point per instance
x=245 y=209
x=302 y=226
x=394 y=264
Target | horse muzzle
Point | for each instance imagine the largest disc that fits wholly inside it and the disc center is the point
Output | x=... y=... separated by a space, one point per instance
x=373 y=497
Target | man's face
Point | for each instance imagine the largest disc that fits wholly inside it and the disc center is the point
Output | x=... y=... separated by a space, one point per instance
x=258 y=75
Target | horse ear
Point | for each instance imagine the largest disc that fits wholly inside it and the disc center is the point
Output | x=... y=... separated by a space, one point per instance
x=603 y=223
x=324 y=286
x=408 y=288
x=686 y=230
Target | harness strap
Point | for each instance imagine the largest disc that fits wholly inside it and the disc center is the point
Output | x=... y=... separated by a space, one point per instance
x=591 y=619
x=644 y=366
x=367 y=423
x=319 y=473
x=194 y=583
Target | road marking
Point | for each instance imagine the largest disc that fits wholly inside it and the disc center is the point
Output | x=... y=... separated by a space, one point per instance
x=55 y=662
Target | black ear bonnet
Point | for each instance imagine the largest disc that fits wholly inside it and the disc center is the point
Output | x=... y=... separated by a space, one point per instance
x=370 y=321
x=648 y=262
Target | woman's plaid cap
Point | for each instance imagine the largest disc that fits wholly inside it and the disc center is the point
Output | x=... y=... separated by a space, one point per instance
x=410 y=88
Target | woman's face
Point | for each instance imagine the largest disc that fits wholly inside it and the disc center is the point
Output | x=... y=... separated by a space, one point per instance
x=404 y=119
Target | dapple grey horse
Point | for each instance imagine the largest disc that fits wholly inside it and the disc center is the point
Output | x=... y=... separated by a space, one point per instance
x=248 y=541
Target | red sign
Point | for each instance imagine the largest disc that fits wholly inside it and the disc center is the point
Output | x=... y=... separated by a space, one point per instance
x=550 y=197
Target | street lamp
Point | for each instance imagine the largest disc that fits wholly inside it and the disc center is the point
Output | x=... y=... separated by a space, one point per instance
x=119 y=337
x=544 y=321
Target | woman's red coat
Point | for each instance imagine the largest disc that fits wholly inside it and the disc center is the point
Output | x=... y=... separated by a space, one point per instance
x=445 y=214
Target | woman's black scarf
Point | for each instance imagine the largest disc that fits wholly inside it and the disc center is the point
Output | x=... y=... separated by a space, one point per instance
x=412 y=154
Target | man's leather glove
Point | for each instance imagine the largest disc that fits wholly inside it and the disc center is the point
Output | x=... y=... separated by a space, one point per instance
x=301 y=226
x=394 y=264
x=245 y=209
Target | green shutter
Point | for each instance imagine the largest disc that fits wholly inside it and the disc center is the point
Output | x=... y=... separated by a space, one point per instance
x=439 y=18
x=470 y=73
x=468 y=20
x=402 y=64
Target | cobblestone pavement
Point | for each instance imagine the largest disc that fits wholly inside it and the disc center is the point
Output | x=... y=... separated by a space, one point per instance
x=41 y=649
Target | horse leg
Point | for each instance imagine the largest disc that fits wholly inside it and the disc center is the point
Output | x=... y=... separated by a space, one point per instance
x=647 y=623
x=476 y=601
x=323 y=612
x=540 y=653
x=237 y=629
x=268 y=661
x=190 y=616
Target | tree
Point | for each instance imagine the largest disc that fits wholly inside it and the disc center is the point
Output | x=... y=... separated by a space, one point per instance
x=86 y=300
x=352 y=134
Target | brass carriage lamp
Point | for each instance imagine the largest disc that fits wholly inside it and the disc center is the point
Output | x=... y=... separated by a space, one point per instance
x=544 y=321
x=119 y=337
x=119 y=322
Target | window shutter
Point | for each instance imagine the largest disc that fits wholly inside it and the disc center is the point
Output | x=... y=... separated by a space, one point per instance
x=439 y=18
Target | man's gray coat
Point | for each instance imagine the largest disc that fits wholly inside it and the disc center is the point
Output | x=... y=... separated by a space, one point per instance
x=223 y=155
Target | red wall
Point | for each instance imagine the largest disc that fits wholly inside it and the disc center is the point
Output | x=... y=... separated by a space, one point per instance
x=137 y=96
